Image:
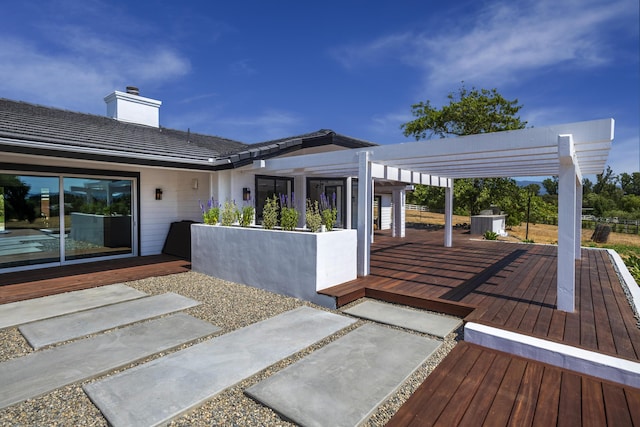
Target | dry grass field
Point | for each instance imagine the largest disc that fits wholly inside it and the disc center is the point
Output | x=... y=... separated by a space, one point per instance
x=539 y=233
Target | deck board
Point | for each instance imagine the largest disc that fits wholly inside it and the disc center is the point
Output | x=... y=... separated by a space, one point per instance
x=480 y=281
x=478 y=386
x=506 y=285
x=36 y=283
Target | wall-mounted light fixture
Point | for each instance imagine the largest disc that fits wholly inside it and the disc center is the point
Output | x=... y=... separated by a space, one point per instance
x=194 y=183
x=158 y=193
x=246 y=194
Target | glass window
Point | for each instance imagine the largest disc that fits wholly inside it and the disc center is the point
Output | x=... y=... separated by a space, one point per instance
x=333 y=189
x=267 y=187
x=53 y=219
x=29 y=220
x=97 y=217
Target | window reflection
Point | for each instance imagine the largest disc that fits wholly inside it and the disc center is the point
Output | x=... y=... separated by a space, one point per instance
x=98 y=217
x=29 y=220
x=38 y=225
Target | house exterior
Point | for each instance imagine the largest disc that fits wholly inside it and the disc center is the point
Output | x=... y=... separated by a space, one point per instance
x=79 y=187
x=71 y=182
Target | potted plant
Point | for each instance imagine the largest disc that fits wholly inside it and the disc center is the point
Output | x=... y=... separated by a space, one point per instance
x=270 y=213
x=288 y=213
x=314 y=219
x=328 y=211
x=210 y=213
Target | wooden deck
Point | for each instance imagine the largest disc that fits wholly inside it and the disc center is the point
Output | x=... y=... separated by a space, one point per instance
x=506 y=285
x=476 y=386
x=36 y=283
x=513 y=287
x=509 y=286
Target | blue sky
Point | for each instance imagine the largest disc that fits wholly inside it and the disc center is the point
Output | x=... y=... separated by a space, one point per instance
x=257 y=70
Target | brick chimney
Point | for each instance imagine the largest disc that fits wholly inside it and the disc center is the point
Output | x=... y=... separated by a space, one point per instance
x=130 y=107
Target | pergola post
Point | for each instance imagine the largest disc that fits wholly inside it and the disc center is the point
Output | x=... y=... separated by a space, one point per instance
x=567 y=192
x=365 y=207
x=448 y=214
x=398 y=229
x=347 y=208
x=578 y=241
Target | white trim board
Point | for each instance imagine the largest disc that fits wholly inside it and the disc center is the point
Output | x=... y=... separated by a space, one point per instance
x=625 y=275
x=561 y=355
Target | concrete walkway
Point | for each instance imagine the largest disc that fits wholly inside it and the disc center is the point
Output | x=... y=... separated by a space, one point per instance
x=415 y=320
x=343 y=383
x=158 y=391
x=17 y=313
x=340 y=384
x=44 y=371
x=71 y=326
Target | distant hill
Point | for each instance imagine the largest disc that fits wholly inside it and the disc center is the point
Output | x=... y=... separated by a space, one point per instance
x=525 y=183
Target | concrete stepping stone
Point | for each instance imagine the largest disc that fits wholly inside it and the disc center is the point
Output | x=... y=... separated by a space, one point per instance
x=158 y=391
x=17 y=313
x=344 y=382
x=420 y=321
x=58 y=329
x=43 y=371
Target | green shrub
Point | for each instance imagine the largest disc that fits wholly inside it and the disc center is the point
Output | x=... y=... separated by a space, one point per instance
x=229 y=213
x=210 y=212
x=328 y=211
x=314 y=220
x=633 y=264
x=490 y=235
x=246 y=216
x=270 y=213
x=289 y=218
x=288 y=213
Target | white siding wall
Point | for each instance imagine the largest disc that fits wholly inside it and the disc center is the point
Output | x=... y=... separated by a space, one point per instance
x=385 y=212
x=189 y=197
x=179 y=202
x=156 y=215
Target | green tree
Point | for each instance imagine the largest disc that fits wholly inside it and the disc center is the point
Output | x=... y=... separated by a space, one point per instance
x=16 y=199
x=551 y=185
x=469 y=112
x=587 y=186
x=630 y=183
x=425 y=195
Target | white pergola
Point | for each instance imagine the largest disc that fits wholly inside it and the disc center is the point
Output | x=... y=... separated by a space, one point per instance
x=568 y=151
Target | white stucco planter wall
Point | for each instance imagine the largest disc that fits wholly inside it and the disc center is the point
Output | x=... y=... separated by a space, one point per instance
x=292 y=263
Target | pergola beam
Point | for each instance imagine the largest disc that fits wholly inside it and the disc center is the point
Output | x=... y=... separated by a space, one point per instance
x=567 y=151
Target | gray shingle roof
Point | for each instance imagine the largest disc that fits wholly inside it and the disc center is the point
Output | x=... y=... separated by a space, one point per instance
x=78 y=132
x=281 y=146
x=35 y=129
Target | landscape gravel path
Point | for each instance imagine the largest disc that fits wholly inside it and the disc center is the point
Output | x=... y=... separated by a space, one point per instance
x=228 y=305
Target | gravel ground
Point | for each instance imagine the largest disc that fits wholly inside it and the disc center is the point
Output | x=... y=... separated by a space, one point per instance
x=229 y=306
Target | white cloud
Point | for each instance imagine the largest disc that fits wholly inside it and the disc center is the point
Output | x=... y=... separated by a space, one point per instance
x=503 y=41
x=266 y=125
x=74 y=67
x=242 y=68
x=386 y=127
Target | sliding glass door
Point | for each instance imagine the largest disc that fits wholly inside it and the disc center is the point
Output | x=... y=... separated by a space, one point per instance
x=269 y=186
x=29 y=220
x=97 y=217
x=333 y=190
x=53 y=219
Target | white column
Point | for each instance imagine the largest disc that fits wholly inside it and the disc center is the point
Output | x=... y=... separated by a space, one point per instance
x=448 y=214
x=347 y=207
x=399 y=198
x=578 y=218
x=372 y=195
x=566 y=225
x=365 y=207
x=300 y=196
